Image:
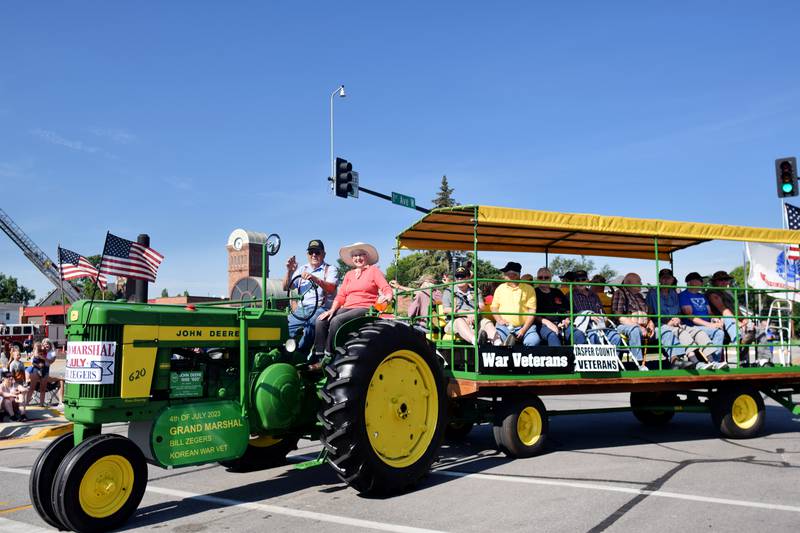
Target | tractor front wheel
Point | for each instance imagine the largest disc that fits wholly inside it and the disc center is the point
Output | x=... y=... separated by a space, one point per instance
x=99 y=484
x=43 y=472
x=262 y=452
x=384 y=408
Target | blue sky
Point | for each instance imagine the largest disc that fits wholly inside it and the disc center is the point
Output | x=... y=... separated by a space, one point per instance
x=186 y=120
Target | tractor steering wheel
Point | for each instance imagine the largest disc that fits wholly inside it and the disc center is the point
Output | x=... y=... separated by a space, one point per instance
x=300 y=312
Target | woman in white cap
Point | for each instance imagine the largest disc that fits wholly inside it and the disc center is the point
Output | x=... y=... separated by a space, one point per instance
x=361 y=287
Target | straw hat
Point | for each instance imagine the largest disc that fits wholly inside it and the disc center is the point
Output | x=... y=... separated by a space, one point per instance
x=345 y=251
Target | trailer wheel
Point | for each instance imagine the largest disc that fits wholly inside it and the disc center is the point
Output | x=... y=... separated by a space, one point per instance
x=99 y=484
x=384 y=408
x=262 y=452
x=738 y=413
x=457 y=430
x=40 y=486
x=522 y=432
x=641 y=401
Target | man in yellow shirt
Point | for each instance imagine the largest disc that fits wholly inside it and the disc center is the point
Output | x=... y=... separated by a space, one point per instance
x=520 y=302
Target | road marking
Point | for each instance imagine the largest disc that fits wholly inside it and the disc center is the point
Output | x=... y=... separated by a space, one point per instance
x=14 y=526
x=23 y=471
x=274 y=509
x=609 y=488
x=15 y=509
x=286 y=511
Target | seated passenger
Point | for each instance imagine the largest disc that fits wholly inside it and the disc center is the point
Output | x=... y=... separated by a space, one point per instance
x=629 y=303
x=361 y=287
x=551 y=306
x=567 y=277
x=511 y=297
x=584 y=300
x=676 y=337
x=460 y=303
x=421 y=306
x=721 y=302
x=600 y=291
x=695 y=304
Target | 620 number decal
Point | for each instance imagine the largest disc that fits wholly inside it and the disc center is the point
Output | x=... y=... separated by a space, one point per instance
x=137 y=374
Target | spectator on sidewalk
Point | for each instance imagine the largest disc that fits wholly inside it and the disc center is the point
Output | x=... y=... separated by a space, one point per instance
x=16 y=366
x=11 y=396
x=27 y=345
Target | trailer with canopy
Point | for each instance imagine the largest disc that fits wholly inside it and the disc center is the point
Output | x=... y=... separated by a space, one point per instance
x=501 y=385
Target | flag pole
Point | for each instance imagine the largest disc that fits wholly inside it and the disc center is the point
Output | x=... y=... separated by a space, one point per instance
x=61 y=279
x=97 y=280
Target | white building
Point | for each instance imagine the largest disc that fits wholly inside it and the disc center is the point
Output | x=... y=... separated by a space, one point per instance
x=9 y=313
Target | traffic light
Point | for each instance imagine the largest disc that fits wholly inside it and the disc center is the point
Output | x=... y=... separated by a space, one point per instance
x=786 y=172
x=345 y=182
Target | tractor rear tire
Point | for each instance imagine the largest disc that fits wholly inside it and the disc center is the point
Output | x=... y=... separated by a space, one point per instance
x=384 y=409
x=640 y=401
x=522 y=431
x=738 y=413
x=99 y=484
x=262 y=453
x=43 y=473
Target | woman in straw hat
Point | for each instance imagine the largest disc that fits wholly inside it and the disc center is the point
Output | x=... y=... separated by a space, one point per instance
x=361 y=287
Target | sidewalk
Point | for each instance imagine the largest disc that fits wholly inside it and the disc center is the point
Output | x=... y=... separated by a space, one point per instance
x=43 y=422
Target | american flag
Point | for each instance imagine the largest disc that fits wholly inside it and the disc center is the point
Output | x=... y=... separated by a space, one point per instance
x=122 y=257
x=793 y=222
x=75 y=266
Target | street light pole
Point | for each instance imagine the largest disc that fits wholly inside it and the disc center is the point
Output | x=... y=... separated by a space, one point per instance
x=340 y=91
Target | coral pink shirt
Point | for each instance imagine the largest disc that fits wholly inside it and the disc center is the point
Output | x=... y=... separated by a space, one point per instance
x=362 y=291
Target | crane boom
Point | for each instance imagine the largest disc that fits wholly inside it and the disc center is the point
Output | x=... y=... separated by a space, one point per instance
x=36 y=255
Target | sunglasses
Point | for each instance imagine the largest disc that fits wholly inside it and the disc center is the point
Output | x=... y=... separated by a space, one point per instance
x=315 y=252
x=543 y=277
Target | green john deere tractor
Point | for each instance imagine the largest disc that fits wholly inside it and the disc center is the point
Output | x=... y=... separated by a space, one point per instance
x=224 y=383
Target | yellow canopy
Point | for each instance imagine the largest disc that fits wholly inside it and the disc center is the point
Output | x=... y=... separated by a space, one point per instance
x=528 y=230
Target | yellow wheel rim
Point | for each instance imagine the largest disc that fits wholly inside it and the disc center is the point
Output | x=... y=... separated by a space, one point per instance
x=263 y=442
x=529 y=426
x=402 y=408
x=744 y=411
x=106 y=486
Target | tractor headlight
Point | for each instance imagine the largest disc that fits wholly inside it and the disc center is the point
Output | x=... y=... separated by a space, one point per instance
x=291 y=345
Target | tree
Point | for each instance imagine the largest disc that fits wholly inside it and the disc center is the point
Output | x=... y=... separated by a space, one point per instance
x=410 y=268
x=186 y=293
x=87 y=286
x=561 y=265
x=342 y=269
x=739 y=274
x=12 y=291
x=164 y=293
x=444 y=198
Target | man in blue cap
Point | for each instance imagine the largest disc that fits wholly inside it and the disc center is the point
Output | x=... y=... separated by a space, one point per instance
x=317 y=282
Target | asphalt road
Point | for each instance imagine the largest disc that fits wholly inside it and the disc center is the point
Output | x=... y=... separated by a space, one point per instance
x=602 y=472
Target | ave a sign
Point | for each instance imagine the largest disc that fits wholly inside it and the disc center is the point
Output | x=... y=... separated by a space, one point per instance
x=405 y=201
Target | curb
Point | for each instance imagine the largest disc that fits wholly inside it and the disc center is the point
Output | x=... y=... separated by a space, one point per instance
x=44 y=433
